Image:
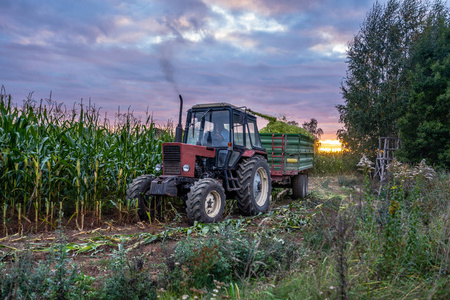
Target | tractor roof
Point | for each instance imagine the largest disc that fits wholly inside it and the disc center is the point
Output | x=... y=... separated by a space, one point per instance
x=211 y=105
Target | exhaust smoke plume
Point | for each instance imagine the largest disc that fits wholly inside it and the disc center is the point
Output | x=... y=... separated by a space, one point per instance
x=168 y=70
x=176 y=28
x=166 y=53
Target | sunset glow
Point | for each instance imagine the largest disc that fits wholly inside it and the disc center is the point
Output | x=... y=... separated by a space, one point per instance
x=330 y=146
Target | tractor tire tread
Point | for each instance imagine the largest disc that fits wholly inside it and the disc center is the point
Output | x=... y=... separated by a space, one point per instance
x=194 y=199
x=245 y=173
x=136 y=189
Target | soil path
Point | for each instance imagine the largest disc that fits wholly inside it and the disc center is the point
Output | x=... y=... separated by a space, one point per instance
x=92 y=249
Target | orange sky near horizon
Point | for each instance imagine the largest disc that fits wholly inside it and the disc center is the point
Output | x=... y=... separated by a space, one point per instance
x=330 y=146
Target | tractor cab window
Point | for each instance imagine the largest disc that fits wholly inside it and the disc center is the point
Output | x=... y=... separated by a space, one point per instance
x=253 y=133
x=238 y=130
x=245 y=134
x=209 y=128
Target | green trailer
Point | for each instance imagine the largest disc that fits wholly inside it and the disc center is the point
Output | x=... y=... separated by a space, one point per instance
x=290 y=157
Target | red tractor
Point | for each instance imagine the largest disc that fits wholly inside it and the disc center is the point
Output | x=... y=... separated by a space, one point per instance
x=219 y=157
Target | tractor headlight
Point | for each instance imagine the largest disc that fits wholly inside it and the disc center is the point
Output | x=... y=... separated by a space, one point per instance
x=186 y=168
x=158 y=167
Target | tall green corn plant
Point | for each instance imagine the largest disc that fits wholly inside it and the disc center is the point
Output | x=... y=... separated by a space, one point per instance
x=41 y=143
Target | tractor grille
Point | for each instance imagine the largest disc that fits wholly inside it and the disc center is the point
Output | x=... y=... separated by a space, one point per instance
x=172 y=157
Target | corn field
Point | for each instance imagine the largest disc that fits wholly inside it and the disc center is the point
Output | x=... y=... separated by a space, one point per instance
x=58 y=162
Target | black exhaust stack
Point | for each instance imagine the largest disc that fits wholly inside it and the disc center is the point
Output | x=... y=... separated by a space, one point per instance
x=179 y=129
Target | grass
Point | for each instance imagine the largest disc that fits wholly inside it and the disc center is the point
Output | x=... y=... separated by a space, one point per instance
x=54 y=160
x=379 y=242
x=391 y=242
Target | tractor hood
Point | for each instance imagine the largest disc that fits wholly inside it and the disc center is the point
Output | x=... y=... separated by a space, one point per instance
x=177 y=156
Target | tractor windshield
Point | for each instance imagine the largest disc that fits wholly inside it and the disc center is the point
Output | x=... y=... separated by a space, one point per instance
x=210 y=128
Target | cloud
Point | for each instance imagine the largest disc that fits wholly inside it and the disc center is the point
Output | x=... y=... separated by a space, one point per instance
x=265 y=7
x=276 y=56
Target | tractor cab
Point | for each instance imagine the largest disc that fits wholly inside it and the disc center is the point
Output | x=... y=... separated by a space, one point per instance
x=228 y=129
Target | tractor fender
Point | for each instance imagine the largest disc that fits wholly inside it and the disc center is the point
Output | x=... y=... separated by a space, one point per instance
x=251 y=153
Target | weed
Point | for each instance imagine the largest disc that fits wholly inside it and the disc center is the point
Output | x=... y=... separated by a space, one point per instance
x=314 y=281
x=394 y=245
x=56 y=277
x=348 y=181
x=326 y=183
x=226 y=257
x=128 y=279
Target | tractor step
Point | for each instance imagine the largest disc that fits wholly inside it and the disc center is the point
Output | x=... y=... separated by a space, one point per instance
x=231 y=181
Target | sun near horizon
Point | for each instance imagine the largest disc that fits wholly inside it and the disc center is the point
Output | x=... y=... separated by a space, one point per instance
x=330 y=146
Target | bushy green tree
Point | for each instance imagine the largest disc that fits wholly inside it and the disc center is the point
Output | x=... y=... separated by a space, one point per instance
x=375 y=86
x=425 y=126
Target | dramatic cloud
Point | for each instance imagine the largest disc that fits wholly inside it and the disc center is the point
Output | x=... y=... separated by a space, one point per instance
x=279 y=57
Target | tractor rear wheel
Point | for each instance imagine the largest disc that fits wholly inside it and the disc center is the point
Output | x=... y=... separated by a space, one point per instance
x=300 y=186
x=206 y=201
x=255 y=185
x=136 y=190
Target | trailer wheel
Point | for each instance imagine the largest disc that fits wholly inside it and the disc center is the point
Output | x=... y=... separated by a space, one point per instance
x=300 y=186
x=136 y=190
x=206 y=201
x=305 y=185
x=255 y=185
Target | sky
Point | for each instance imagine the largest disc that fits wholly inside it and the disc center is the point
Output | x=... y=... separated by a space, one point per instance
x=276 y=57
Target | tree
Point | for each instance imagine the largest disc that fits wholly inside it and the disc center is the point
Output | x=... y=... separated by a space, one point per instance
x=425 y=127
x=374 y=88
x=284 y=119
x=311 y=127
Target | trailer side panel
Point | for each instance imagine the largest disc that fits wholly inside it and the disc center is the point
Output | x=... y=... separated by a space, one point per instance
x=288 y=154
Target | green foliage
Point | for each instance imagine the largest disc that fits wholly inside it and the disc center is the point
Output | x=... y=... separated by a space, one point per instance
x=325 y=183
x=313 y=282
x=228 y=257
x=388 y=242
x=266 y=117
x=283 y=127
x=50 y=154
x=425 y=127
x=128 y=278
x=348 y=182
x=399 y=241
x=56 y=277
x=198 y=264
x=392 y=243
x=408 y=242
x=378 y=84
x=334 y=163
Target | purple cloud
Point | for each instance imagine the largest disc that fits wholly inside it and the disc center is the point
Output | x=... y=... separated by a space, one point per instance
x=279 y=57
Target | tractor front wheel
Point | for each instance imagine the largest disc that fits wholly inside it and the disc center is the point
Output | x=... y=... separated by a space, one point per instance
x=255 y=184
x=137 y=189
x=206 y=201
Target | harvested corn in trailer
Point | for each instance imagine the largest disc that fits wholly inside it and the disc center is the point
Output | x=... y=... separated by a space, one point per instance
x=276 y=126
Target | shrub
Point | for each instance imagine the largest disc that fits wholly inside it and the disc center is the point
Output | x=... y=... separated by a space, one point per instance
x=226 y=257
x=393 y=243
x=128 y=279
x=55 y=277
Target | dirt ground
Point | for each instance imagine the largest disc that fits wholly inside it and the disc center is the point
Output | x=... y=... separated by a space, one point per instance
x=92 y=247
